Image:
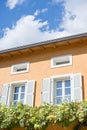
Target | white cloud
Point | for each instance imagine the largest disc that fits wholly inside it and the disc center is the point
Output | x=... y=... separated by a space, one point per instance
x=75 y=18
x=12 y=3
x=37 y=12
x=27 y=29
x=44 y=10
x=57 y=1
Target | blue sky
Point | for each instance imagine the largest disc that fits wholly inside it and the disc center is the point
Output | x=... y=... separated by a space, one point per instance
x=30 y=21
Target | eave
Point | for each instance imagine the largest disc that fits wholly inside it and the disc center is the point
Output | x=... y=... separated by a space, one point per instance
x=70 y=40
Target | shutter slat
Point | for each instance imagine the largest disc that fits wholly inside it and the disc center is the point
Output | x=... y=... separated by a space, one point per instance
x=4 y=94
x=30 y=93
x=46 y=90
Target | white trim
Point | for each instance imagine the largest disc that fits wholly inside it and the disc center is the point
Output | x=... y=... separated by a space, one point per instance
x=66 y=76
x=59 y=57
x=52 y=90
x=18 y=82
x=11 y=89
x=13 y=84
x=17 y=65
x=25 y=92
x=19 y=93
x=60 y=77
x=72 y=87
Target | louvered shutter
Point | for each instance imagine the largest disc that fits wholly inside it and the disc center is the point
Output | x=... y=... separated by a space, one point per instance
x=46 y=90
x=29 y=95
x=4 y=94
x=10 y=95
x=77 y=87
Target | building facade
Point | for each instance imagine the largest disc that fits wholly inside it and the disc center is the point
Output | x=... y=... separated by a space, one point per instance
x=54 y=71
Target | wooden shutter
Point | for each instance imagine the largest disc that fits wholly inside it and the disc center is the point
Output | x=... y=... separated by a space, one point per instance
x=29 y=95
x=46 y=90
x=77 y=87
x=4 y=94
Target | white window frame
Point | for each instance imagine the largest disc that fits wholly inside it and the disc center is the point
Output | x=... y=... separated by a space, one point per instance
x=19 y=84
x=7 y=93
x=48 y=92
x=58 y=58
x=19 y=65
x=13 y=85
x=59 y=77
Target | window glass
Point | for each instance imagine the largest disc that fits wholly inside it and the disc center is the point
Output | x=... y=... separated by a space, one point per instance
x=67 y=83
x=16 y=89
x=23 y=89
x=22 y=96
x=67 y=91
x=58 y=100
x=15 y=96
x=62 y=91
x=59 y=84
x=19 y=94
x=61 y=61
x=20 y=68
x=58 y=92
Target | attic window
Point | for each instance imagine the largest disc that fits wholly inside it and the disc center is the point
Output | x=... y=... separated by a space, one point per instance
x=61 y=61
x=20 y=68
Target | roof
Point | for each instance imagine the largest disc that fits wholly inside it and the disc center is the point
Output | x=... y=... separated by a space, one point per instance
x=49 y=42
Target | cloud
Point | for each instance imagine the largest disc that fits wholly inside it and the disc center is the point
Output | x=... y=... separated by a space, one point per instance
x=57 y=1
x=37 y=12
x=12 y=3
x=75 y=17
x=44 y=10
x=28 y=29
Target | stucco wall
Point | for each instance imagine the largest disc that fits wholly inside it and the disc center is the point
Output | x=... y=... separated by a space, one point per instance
x=40 y=66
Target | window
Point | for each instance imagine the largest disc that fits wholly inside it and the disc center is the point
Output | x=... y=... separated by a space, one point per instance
x=20 y=68
x=62 y=91
x=20 y=91
x=62 y=88
x=61 y=61
x=19 y=94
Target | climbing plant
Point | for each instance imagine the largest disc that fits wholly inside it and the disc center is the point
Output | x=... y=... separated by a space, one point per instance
x=40 y=117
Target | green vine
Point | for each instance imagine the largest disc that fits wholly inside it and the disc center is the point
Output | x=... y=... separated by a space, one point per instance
x=32 y=118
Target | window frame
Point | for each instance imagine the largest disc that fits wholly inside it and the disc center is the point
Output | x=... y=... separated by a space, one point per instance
x=7 y=93
x=56 y=78
x=13 y=85
x=76 y=87
x=63 y=89
x=19 y=93
x=19 y=65
x=55 y=59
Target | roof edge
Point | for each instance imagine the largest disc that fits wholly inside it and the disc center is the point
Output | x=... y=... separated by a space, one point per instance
x=44 y=43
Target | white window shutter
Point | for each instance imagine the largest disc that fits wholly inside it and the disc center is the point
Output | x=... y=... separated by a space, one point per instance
x=4 y=94
x=46 y=90
x=29 y=95
x=10 y=95
x=77 y=87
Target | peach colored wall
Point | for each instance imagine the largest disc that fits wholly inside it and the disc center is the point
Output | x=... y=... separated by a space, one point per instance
x=40 y=62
